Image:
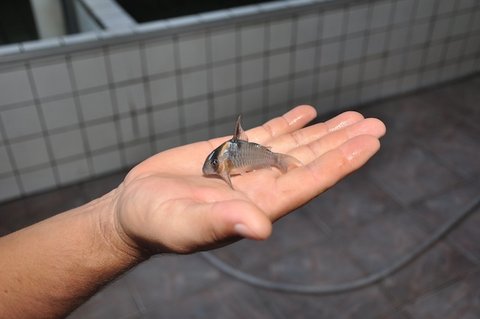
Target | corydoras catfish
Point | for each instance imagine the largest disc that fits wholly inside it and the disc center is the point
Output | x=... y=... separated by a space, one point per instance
x=238 y=156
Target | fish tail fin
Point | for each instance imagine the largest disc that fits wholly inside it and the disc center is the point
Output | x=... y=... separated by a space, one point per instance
x=284 y=162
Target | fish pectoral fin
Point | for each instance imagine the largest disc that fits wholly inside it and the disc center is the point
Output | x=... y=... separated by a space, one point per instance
x=239 y=133
x=245 y=171
x=226 y=177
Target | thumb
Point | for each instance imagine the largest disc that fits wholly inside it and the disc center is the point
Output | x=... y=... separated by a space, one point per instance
x=239 y=218
x=193 y=226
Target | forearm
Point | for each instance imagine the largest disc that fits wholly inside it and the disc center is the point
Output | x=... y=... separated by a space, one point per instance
x=49 y=268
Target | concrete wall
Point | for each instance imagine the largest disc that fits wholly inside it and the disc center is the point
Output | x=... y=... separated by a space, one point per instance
x=48 y=18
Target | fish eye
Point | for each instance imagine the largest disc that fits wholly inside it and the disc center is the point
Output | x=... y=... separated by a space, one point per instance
x=215 y=162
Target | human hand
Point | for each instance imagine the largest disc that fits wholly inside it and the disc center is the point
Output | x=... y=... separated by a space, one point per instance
x=165 y=204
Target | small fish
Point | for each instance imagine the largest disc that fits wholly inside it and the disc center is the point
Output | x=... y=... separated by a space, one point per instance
x=238 y=156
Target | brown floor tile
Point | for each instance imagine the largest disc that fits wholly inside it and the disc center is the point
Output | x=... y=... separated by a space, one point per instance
x=114 y=301
x=384 y=241
x=364 y=303
x=229 y=300
x=463 y=96
x=151 y=280
x=435 y=212
x=458 y=300
x=466 y=237
x=290 y=233
x=100 y=186
x=396 y=314
x=408 y=173
x=437 y=267
x=169 y=278
x=21 y=213
x=456 y=146
x=408 y=117
x=4 y=230
x=319 y=263
x=13 y=216
x=351 y=203
x=51 y=203
x=193 y=274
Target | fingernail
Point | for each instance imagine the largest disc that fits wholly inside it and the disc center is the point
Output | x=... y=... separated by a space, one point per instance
x=242 y=230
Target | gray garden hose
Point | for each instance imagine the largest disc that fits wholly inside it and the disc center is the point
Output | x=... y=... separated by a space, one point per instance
x=348 y=286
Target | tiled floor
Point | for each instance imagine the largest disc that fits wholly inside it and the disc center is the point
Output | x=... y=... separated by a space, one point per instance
x=427 y=171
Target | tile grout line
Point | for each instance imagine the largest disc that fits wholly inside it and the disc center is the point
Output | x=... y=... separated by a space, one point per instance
x=179 y=88
x=293 y=55
x=316 y=59
x=403 y=72
x=447 y=40
x=137 y=298
x=171 y=73
x=431 y=27
x=210 y=87
x=388 y=42
x=148 y=96
x=82 y=125
x=11 y=158
x=170 y=105
x=106 y=149
x=469 y=33
x=341 y=64
x=366 y=36
x=114 y=118
x=238 y=67
x=266 y=70
x=46 y=139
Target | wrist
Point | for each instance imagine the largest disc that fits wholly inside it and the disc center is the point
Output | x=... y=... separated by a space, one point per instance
x=53 y=265
x=113 y=234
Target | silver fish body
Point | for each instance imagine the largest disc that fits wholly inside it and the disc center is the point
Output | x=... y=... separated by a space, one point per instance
x=238 y=156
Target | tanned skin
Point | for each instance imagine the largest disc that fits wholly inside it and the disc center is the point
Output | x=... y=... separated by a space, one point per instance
x=166 y=205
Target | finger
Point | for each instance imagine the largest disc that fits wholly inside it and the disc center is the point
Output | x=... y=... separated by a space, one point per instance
x=197 y=152
x=239 y=218
x=343 y=120
x=293 y=120
x=196 y=226
x=287 y=123
x=304 y=183
x=311 y=133
x=308 y=152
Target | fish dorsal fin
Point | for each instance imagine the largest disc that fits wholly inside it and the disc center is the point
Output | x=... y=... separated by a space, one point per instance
x=239 y=132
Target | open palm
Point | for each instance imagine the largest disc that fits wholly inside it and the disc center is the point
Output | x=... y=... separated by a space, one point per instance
x=165 y=202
